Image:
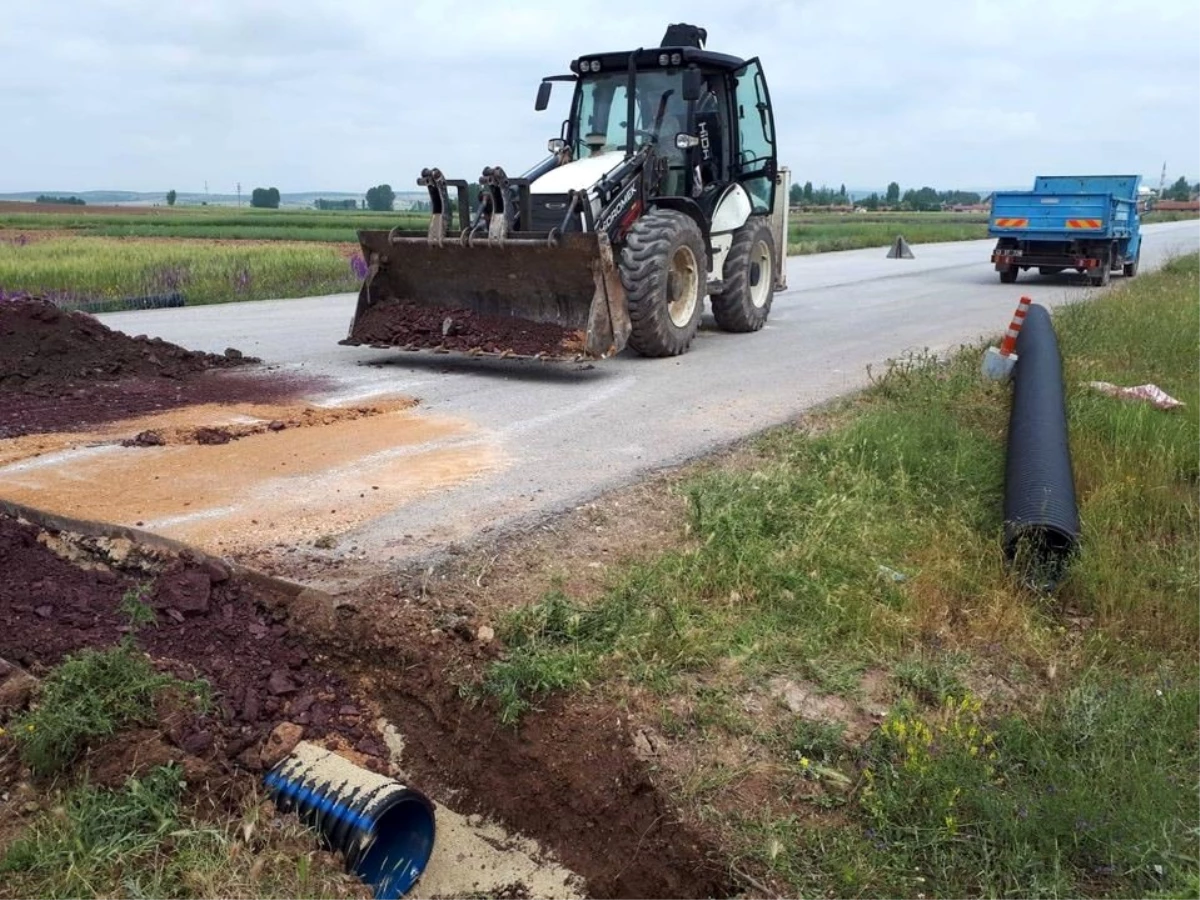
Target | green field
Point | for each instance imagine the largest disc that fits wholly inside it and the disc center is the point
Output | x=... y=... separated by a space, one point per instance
x=212 y=223
x=822 y=232
x=808 y=232
x=101 y=274
x=98 y=258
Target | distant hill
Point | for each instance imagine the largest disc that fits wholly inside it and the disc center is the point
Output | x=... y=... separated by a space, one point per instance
x=183 y=198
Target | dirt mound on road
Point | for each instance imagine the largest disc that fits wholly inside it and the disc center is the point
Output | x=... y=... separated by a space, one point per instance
x=45 y=350
x=64 y=370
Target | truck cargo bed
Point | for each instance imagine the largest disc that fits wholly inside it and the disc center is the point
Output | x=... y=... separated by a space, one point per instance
x=1088 y=223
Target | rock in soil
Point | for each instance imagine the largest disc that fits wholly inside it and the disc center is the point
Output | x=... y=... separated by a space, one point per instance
x=282 y=741
x=16 y=690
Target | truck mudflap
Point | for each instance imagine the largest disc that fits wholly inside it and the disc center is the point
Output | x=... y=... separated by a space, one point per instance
x=534 y=296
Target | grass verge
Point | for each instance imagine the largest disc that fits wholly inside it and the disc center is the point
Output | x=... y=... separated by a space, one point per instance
x=1033 y=745
x=143 y=841
x=92 y=694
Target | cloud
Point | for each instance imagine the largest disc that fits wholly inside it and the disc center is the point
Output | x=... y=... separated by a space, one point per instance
x=324 y=95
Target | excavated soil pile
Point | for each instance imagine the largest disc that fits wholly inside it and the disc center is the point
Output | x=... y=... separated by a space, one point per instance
x=208 y=624
x=61 y=369
x=569 y=776
x=395 y=323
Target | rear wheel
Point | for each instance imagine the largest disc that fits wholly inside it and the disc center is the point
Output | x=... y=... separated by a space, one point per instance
x=1008 y=274
x=749 y=283
x=1130 y=269
x=665 y=273
x=1100 y=277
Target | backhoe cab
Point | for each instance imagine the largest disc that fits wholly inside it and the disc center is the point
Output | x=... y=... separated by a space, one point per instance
x=662 y=189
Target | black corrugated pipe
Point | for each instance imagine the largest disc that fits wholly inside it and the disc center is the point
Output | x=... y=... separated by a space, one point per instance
x=1041 y=516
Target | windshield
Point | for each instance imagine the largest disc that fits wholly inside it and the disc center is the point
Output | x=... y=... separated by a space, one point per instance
x=603 y=104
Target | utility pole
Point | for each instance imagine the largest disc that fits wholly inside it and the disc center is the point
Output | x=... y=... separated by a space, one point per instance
x=1162 y=181
x=239 y=189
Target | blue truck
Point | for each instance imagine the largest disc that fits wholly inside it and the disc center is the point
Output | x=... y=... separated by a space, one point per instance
x=1088 y=223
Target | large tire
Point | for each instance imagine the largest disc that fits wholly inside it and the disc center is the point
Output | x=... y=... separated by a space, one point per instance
x=1101 y=276
x=1008 y=274
x=1130 y=269
x=665 y=273
x=749 y=283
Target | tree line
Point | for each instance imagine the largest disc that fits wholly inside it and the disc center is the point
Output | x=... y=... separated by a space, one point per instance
x=919 y=199
x=1181 y=190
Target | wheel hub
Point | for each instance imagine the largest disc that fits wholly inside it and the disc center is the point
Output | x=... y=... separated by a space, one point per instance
x=683 y=282
x=760 y=274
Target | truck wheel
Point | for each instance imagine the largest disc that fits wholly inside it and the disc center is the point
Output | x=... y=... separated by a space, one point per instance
x=665 y=273
x=1008 y=274
x=749 y=283
x=1131 y=268
x=1100 y=277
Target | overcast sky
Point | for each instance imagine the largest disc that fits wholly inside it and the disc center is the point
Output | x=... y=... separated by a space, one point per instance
x=342 y=94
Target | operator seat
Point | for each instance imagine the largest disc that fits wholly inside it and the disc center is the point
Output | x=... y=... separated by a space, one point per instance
x=676 y=161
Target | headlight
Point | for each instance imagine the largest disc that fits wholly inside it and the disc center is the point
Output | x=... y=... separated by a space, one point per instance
x=663 y=59
x=676 y=59
x=595 y=65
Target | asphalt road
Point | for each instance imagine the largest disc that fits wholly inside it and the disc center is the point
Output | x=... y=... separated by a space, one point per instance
x=568 y=432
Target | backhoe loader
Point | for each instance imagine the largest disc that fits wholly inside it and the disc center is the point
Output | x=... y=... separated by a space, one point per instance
x=662 y=190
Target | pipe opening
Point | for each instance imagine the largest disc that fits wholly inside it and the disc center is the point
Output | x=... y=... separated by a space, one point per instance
x=401 y=849
x=1040 y=554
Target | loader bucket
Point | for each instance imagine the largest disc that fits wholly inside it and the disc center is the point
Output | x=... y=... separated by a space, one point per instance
x=524 y=297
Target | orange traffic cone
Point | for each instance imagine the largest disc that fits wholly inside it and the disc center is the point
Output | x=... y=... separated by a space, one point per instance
x=998 y=362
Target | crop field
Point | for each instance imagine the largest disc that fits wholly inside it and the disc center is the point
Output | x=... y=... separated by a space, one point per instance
x=104 y=258
x=822 y=232
x=101 y=274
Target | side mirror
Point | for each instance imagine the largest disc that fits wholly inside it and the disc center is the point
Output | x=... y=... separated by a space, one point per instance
x=543 y=95
x=556 y=145
x=693 y=84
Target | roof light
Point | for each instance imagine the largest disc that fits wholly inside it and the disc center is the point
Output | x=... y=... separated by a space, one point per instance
x=663 y=59
x=676 y=59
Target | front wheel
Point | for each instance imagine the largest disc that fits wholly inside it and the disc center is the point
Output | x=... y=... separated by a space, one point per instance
x=749 y=279
x=664 y=268
x=1008 y=275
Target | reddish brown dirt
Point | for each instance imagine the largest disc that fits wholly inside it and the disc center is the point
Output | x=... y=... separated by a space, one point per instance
x=568 y=777
x=44 y=348
x=400 y=324
x=208 y=625
x=64 y=370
